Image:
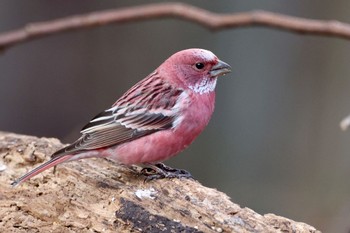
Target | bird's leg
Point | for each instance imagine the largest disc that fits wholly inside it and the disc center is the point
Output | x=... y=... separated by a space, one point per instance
x=160 y=171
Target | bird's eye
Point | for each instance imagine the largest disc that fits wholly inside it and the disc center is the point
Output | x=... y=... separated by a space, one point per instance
x=199 y=65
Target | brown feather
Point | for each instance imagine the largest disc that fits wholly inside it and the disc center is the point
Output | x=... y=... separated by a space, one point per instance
x=136 y=114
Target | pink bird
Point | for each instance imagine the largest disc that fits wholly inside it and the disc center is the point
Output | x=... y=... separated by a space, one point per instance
x=156 y=119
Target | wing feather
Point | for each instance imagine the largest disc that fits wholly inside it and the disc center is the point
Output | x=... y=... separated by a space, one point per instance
x=138 y=113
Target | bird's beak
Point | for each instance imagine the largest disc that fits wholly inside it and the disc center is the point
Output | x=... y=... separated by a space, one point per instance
x=221 y=68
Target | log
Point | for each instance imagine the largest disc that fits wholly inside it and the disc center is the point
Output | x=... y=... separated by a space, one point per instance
x=98 y=195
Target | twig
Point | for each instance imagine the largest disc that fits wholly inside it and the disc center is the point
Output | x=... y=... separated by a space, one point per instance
x=345 y=123
x=213 y=21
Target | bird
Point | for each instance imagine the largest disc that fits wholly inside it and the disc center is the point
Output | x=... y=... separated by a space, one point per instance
x=154 y=120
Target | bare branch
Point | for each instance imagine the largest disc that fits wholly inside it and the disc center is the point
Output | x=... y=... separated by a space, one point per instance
x=213 y=21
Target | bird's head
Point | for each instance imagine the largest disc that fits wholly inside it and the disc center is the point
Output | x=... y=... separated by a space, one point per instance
x=196 y=69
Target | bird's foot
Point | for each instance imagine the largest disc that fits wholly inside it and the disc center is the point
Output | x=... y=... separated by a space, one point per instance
x=161 y=171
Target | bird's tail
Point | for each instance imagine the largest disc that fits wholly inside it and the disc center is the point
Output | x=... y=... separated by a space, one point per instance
x=52 y=162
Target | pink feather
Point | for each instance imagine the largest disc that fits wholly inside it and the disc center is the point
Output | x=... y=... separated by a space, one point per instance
x=156 y=119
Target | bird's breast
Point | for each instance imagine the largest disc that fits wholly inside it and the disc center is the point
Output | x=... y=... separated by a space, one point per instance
x=193 y=117
x=196 y=116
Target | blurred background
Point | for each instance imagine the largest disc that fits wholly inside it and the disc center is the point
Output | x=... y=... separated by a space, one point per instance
x=274 y=142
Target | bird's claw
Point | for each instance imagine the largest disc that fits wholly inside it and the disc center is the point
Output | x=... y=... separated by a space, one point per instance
x=161 y=171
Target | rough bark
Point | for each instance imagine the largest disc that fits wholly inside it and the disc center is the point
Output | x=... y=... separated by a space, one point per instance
x=97 y=195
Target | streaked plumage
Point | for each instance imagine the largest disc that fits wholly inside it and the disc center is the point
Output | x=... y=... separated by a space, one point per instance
x=157 y=118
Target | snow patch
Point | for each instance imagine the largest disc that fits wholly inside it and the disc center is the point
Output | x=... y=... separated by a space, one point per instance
x=146 y=193
x=2 y=167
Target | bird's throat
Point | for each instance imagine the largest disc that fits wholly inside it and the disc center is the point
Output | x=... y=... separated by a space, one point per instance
x=205 y=85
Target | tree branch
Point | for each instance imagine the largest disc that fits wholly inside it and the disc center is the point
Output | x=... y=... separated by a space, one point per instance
x=213 y=21
x=96 y=195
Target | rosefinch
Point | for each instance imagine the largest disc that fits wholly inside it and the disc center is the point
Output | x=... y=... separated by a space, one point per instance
x=153 y=121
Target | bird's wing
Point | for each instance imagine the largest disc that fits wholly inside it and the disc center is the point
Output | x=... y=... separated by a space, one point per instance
x=148 y=107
